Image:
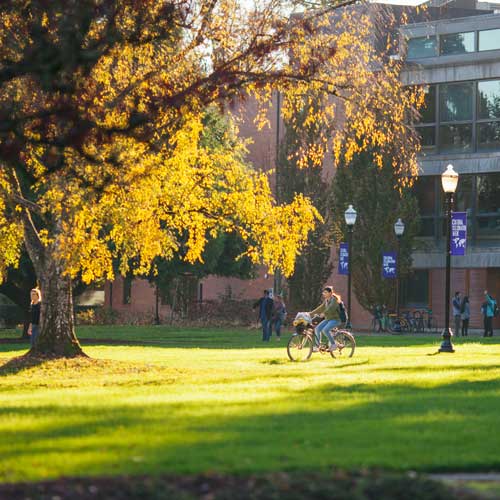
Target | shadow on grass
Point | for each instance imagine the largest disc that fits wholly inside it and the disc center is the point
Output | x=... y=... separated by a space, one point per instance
x=20 y=363
x=452 y=427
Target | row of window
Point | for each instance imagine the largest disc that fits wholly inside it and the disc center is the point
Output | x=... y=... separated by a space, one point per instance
x=478 y=195
x=461 y=117
x=455 y=43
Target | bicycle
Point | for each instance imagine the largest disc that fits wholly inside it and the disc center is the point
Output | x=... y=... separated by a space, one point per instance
x=401 y=324
x=301 y=344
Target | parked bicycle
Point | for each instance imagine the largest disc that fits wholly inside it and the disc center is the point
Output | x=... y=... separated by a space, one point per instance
x=301 y=344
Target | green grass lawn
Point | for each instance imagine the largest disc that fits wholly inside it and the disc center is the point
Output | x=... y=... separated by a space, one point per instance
x=195 y=400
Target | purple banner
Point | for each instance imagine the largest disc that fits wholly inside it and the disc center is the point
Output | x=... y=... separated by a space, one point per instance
x=343 y=258
x=458 y=233
x=389 y=264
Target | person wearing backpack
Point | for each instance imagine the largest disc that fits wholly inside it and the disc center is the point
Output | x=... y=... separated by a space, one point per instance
x=329 y=309
x=490 y=307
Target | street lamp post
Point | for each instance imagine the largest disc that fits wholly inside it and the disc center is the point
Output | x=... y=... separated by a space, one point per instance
x=350 y=219
x=449 y=181
x=399 y=229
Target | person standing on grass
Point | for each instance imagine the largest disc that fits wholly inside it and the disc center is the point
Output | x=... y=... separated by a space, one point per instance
x=488 y=310
x=34 y=328
x=457 y=315
x=465 y=314
x=278 y=315
x=265 y=305
x=329 y=309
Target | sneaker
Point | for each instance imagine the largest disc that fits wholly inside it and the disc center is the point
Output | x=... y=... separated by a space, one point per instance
x=278 y=339
x=332 y=348
x=315 y=349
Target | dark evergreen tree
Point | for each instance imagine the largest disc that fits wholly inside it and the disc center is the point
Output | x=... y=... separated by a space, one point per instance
x=379 y=203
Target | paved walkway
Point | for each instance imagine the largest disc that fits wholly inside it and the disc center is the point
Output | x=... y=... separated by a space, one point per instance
x=468 y=476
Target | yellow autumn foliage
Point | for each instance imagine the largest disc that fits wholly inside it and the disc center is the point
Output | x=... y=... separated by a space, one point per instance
x=105 y=161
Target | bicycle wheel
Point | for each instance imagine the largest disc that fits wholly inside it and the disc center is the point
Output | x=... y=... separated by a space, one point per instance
x=394 y=325
x=405 y=325
x=345 y=344
x=299 y=347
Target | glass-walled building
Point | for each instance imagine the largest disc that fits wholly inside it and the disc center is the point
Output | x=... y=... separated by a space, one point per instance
x=457 y=61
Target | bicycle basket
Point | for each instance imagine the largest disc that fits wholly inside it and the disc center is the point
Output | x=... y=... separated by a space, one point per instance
x=302 y=319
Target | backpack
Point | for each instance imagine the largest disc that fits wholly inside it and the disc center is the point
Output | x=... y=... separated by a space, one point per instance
x=342 y=312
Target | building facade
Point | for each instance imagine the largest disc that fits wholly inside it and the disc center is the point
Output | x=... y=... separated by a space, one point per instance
x=458 y=63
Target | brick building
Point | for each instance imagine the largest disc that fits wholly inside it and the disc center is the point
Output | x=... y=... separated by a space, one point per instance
x=455 y=53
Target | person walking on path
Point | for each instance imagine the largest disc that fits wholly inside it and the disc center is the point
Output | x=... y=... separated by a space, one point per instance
x=329 y=309
x=457 y=315
x=465 y=309
x=278 y=315
x=488 y=310
x=34 y=328
x=265 y=305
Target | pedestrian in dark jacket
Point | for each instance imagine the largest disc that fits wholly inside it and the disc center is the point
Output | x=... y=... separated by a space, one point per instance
x=465 y=316
x=265 y=307
x=457 y=315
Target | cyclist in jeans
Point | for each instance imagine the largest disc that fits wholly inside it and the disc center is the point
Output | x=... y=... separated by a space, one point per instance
x=329 y=309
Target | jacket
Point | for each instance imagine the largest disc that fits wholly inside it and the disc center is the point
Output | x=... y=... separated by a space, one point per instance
x=490 y=307
x=329 y=309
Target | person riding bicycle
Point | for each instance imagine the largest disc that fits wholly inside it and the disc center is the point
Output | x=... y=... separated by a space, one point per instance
x=329 y=309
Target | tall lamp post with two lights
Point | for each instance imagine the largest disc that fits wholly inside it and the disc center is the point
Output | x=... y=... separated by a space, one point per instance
x=449 y=181
x=399 y=229
x=350 y=219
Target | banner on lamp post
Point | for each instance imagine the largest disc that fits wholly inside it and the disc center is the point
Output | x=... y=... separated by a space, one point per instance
x=343 y=258
x=389 y=264
x=458 y=233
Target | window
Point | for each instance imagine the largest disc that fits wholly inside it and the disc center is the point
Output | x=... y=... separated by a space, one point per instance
x=127 y=290
x=464 y=194
x=488 y=97
x=415 y=289
x=427 y=139
x=456 y=102
x=425 y=191
x=457 y=43
x=488 y=136
x=488 y=204
x=428 y=109
x=459 y=125
x=422 y=47
x=489 y=39
x=455 y=138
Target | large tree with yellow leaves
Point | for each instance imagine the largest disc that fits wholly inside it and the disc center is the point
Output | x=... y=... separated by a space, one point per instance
x=101 y=106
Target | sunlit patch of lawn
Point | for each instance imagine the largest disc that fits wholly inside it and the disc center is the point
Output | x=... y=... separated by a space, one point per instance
x=203 y=400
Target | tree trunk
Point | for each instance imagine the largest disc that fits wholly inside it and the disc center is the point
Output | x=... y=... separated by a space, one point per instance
x=57 y=336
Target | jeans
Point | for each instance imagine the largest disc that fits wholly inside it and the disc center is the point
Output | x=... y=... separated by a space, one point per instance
x=266 y=329
x=458 y=320
x=35 y=330
x=465 y=327
x=488 y=326
x=325 y=326
x=277 y=327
